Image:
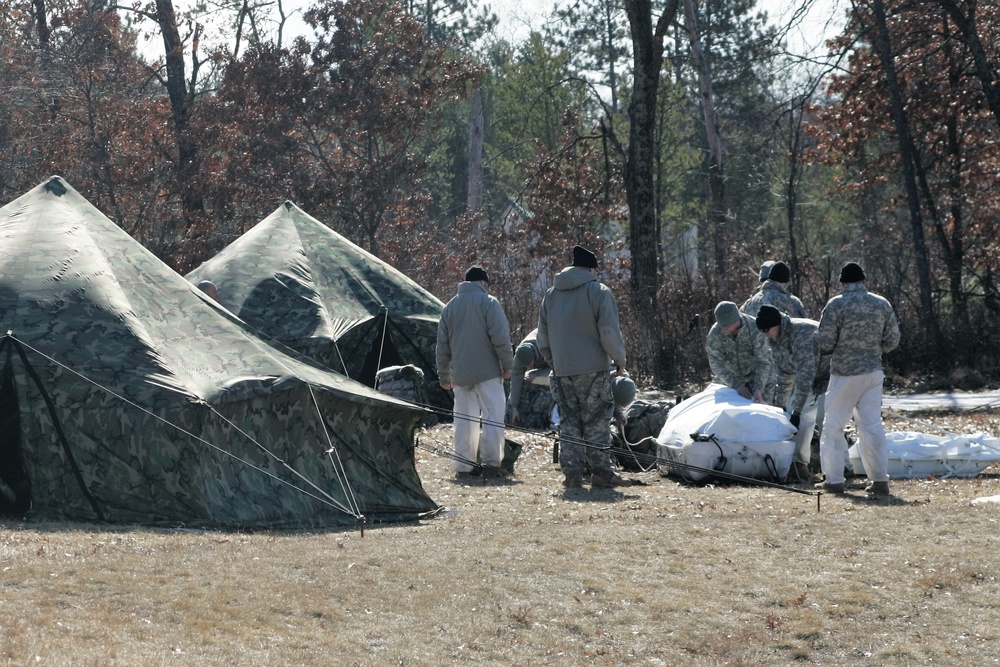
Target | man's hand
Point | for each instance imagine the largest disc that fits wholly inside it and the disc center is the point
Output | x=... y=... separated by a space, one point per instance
x=744 y=391
x=757 y=396
x=620 y=370
x=446 y=385
x=620 y=416
x=507 y=374
x=515 y=416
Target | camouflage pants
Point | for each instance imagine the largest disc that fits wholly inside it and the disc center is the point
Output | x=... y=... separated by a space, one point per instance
x=585 y=409
x=535 y=406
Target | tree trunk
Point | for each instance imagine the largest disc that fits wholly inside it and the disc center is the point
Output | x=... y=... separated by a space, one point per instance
x=474 y=199
x=906 y=155
x=609 y=46
x=41 y=22
x=984 y=69
x=186 y=167
x=791 y=189
x=647 y=53
x=717 y=219
x=951 y=235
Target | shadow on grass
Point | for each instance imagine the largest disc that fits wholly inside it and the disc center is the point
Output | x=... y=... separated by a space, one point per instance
x=479 y=481
x=600 y=495
x=50 y=524
x=884 y=501
x=862 y=498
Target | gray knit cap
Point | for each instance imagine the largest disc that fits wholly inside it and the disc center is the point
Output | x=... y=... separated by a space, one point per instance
x=727 y=313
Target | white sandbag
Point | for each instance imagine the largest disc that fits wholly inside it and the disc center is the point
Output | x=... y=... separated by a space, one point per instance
x=718 y=429
x=913 y=455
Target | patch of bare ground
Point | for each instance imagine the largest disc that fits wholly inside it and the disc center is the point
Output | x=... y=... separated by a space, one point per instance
x=524 y=572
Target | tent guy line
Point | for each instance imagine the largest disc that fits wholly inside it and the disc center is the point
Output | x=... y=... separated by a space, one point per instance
x=720 y=474
x=322 y=496
x=296 y=281
x=331 y=450
x=79 y=289
x=641 y=457
x=341 y=473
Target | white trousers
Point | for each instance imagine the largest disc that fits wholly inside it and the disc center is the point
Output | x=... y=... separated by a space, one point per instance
x=862 y=396
x=812 y=413
x=479 y=412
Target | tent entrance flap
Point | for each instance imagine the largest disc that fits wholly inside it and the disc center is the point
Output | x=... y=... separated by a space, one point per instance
x=57 y=426
x=15 y=487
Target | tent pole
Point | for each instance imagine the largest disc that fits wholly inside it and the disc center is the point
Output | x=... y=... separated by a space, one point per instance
x=59 y=431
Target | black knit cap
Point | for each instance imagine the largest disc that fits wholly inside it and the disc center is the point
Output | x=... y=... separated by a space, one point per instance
x=583 y=257
x=476 y=273
x=780 y=273
x=852 y=273
x=767 y=317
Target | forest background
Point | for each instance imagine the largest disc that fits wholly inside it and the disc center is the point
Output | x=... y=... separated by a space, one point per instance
x=682 y=141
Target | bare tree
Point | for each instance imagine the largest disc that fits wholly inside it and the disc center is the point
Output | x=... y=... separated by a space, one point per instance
x=647 y=60
x=717 y=216
x=907 y=154
x=985 y=69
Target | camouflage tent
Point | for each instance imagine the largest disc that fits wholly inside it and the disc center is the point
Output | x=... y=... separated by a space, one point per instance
x=299 y=282
x=128 y=395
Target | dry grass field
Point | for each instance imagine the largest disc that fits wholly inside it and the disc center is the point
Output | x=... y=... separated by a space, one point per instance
x=522 y=572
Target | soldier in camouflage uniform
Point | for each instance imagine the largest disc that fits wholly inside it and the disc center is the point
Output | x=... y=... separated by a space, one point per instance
x=738 y=353
x=796 y=361
x=522 y=406
x=857 y=328
x=765 y=270
x=774 y=292
x=579 y=335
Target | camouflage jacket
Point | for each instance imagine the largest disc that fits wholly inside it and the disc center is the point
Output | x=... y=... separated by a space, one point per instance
x=771 y=293
x=517 y=373
x=743 y=359
x=857 y=328
x=796 y=358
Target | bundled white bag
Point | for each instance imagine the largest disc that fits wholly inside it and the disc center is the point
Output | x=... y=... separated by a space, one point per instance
x=719 y=430
x=913 y=455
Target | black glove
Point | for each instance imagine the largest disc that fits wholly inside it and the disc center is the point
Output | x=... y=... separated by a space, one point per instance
x=795 y=419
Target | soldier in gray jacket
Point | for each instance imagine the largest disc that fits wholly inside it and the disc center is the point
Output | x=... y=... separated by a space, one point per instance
x=857 y=328
x=474 y=357
x=579 y=335
x=797 y=362
x=738 y=353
